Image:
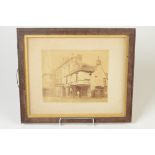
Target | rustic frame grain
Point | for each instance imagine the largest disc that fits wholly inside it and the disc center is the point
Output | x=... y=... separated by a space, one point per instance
x=131 y=32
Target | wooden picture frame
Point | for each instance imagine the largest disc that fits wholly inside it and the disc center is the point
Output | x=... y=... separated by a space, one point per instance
x=33 y=40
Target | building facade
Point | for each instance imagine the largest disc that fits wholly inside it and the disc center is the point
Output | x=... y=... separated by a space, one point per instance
x=75 y=79
x=99 y=81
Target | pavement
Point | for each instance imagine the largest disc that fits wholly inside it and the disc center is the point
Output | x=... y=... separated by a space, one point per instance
x=74 y=99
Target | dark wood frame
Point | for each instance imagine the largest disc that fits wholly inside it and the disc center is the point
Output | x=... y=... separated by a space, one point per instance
x=75 y=31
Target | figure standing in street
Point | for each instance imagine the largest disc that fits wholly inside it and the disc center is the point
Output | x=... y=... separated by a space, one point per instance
x=78 y=94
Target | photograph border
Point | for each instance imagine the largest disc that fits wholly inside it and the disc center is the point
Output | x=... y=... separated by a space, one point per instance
x=23 y=78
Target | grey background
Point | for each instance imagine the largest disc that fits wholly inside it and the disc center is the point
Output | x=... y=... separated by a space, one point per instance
x=144 y=84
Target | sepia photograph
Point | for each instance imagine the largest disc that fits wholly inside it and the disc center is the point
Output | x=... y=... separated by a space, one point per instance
x=75 y=75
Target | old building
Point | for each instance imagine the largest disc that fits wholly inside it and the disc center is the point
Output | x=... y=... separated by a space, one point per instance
x=76 y=79
x=99 y=81
x=73 y=77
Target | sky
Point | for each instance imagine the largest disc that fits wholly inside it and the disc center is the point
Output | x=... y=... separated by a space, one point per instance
x=51 y=59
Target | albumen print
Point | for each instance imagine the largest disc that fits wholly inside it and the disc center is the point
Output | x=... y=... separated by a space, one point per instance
x=75 y=75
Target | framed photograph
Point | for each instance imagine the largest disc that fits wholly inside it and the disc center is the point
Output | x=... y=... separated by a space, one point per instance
x=76 y=74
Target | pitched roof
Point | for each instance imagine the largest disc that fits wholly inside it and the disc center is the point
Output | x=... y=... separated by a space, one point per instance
x=84 y=68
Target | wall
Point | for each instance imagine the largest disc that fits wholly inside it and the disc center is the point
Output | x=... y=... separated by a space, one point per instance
x=144 y=83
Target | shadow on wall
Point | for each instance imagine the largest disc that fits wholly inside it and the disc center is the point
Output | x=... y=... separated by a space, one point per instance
x=144 y=88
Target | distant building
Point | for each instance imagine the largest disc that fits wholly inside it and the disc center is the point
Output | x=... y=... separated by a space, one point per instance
x=48 y=76
x=48 y=84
